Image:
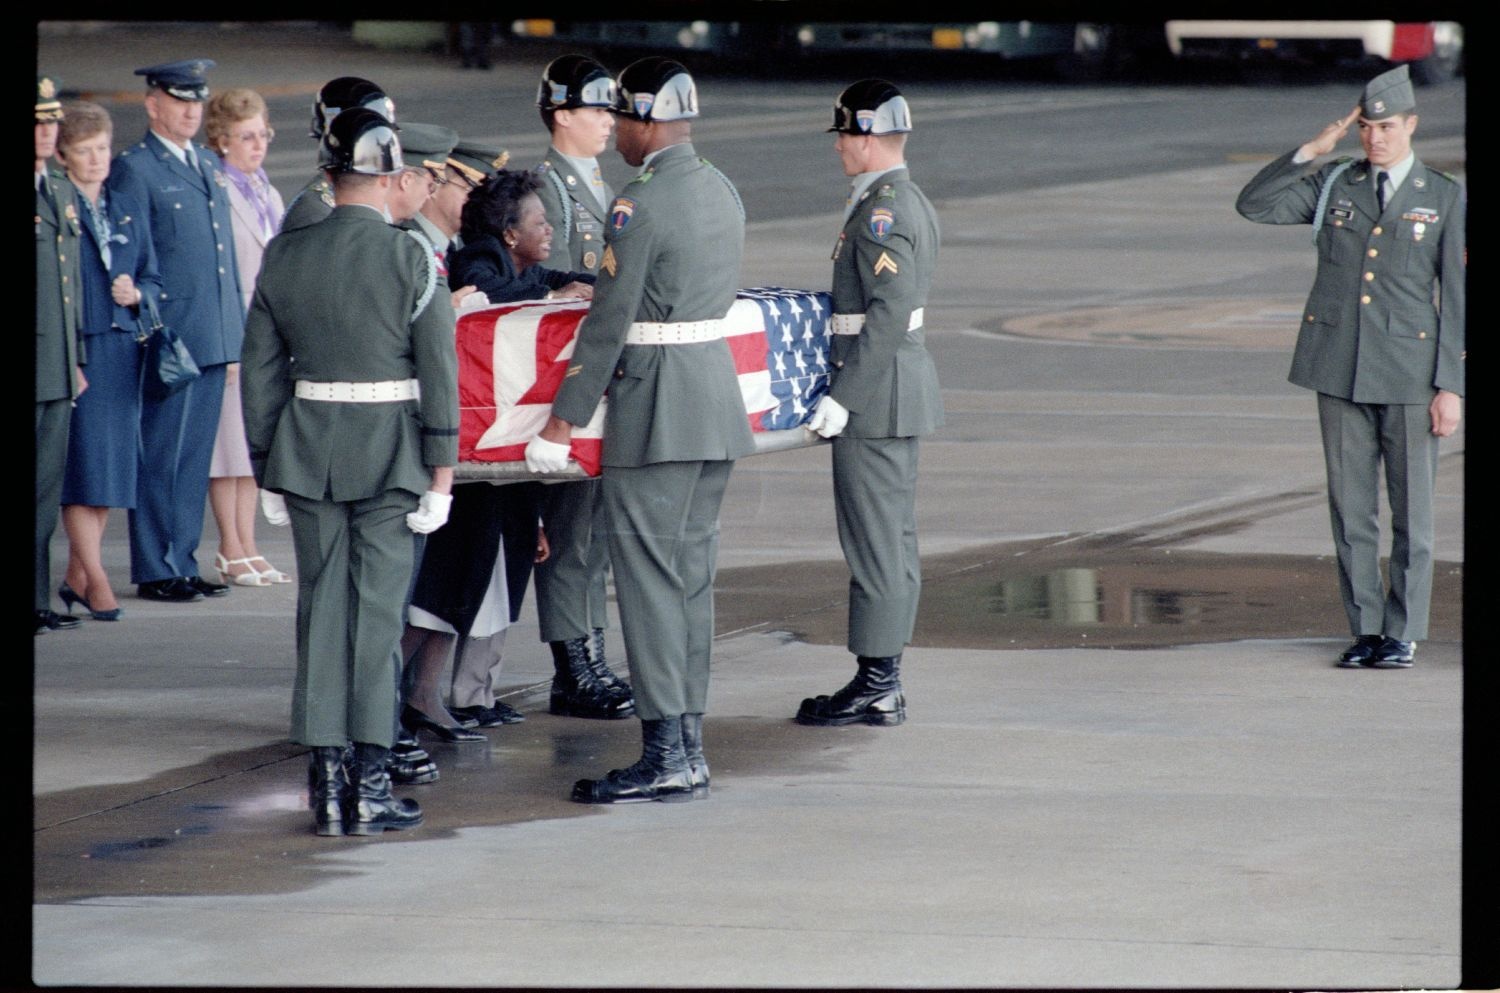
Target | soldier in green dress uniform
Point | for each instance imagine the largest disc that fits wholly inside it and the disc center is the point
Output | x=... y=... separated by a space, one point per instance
x=575 y=99
x=351 y=411
x=676 y=423
x=882 y=397
x=1382 y=343
x=59 y=350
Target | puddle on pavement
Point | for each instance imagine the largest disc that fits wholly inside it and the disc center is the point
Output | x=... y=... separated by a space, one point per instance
x=250 y=832
x=1101 y=593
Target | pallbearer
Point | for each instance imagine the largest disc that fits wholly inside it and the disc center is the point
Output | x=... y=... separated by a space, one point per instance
x=882 y=396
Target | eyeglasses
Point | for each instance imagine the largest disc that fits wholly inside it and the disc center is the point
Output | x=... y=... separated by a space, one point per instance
x=437 y=177
x=250 y=137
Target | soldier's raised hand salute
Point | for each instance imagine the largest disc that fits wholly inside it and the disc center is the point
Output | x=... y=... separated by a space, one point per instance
x=1328 y=139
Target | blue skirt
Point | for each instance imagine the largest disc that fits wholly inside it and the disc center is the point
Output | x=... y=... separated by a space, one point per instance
x=105 y=434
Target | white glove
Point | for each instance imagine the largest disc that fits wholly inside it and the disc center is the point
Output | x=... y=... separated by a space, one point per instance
x=431 y=512
x=829 y=417
x=472 y=301
x=273 y=505
x=546 y=456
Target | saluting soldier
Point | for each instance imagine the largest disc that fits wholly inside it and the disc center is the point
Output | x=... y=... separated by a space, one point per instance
x=192 y=231
x=315 y=200
x=882 y=397
x=351 y=412
x=575 y=99
x=676 y=421
x=59 y=350
x=1382 y=344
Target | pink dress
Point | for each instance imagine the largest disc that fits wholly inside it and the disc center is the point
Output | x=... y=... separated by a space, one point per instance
x=252 y=229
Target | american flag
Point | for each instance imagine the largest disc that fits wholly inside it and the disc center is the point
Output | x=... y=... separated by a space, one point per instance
x=512 y=357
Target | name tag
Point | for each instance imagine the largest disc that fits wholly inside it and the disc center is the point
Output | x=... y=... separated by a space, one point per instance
x=1340 y=212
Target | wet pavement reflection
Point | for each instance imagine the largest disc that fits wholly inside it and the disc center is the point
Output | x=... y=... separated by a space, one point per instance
x=251 y=833
x=1102 y=592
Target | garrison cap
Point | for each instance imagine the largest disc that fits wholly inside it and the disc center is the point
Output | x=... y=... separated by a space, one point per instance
x=361 y=140
x=427 y=144
x=183 y=80
x=871 y=106
x=342 y=94
x=656 y=89
x=476 y=163
x=48 y=107
x=1388 y=94
x=575 y=81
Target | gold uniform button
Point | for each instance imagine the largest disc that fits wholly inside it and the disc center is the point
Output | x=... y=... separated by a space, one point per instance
x=619 y=373
x=1378 y=230
x=62 y=258
x=1421 y=334
x=588 y=237
x=1310 y=318
x=1365 y=298
x=1369 y=277
x=1373 y=252
x=1338 y=224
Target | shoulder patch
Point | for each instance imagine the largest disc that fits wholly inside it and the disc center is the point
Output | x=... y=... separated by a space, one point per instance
x=621 y=212
x=882 y=219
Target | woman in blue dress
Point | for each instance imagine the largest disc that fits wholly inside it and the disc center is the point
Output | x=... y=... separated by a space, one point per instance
x=118 y=266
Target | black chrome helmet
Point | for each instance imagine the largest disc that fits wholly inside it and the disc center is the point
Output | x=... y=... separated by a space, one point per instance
x=575 y=81
x=656 y=89
x=361 y=140
x=871 y=106
x=345 y=93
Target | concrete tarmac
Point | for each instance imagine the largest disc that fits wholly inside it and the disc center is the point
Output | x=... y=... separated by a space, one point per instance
x=1120 y=768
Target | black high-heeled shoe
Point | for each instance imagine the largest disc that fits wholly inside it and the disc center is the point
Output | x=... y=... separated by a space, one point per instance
x=70 y=596
x=414 y=720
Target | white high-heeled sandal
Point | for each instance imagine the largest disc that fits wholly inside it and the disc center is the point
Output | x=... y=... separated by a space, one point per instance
x=251 y=578
x=270 y=572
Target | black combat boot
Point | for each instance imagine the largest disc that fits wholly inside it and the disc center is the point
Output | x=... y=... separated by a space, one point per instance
x=873 y=696
x=692 y=747
x=370 y=808
x=576 y=692
x=660 y=774
x=602 y=672
x=312 y=773
x=329 y=783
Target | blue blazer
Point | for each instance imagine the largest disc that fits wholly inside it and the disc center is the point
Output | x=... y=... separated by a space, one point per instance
x=190 y=224
x=131 y=253
x=485 y=264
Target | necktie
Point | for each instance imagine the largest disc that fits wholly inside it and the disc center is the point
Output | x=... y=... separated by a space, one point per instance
x=192 y=160
x=1381 y=179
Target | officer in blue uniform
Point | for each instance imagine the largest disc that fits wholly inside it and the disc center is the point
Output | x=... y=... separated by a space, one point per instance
x=1382 y=344
x=188 y=199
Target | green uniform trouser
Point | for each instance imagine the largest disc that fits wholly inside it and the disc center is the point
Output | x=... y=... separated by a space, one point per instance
x=354 y=561
x=663 y=527
x=1357 y=437
x=570 y=593
x=52 y=419
x=875 y=506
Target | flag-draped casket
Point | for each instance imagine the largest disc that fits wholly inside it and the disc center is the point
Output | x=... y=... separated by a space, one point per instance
x=512 y=357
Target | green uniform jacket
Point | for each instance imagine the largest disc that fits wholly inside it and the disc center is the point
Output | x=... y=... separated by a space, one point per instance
x=59 y=304
x=882 y=268
x=672 y=253
x=576 y=218
x=311 y=204
x=351 y=299
x=1384 y=323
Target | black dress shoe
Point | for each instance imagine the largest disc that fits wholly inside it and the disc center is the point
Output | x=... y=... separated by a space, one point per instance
x=405 y=773
x=1359 y=654
x=205 y=587
x=50 y=620
x=488 y=717
x=415 y=720
x=174 y=590
x=1394 y=654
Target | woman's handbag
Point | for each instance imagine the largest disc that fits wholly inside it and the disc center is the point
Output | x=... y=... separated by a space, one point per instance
x=169 y=366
